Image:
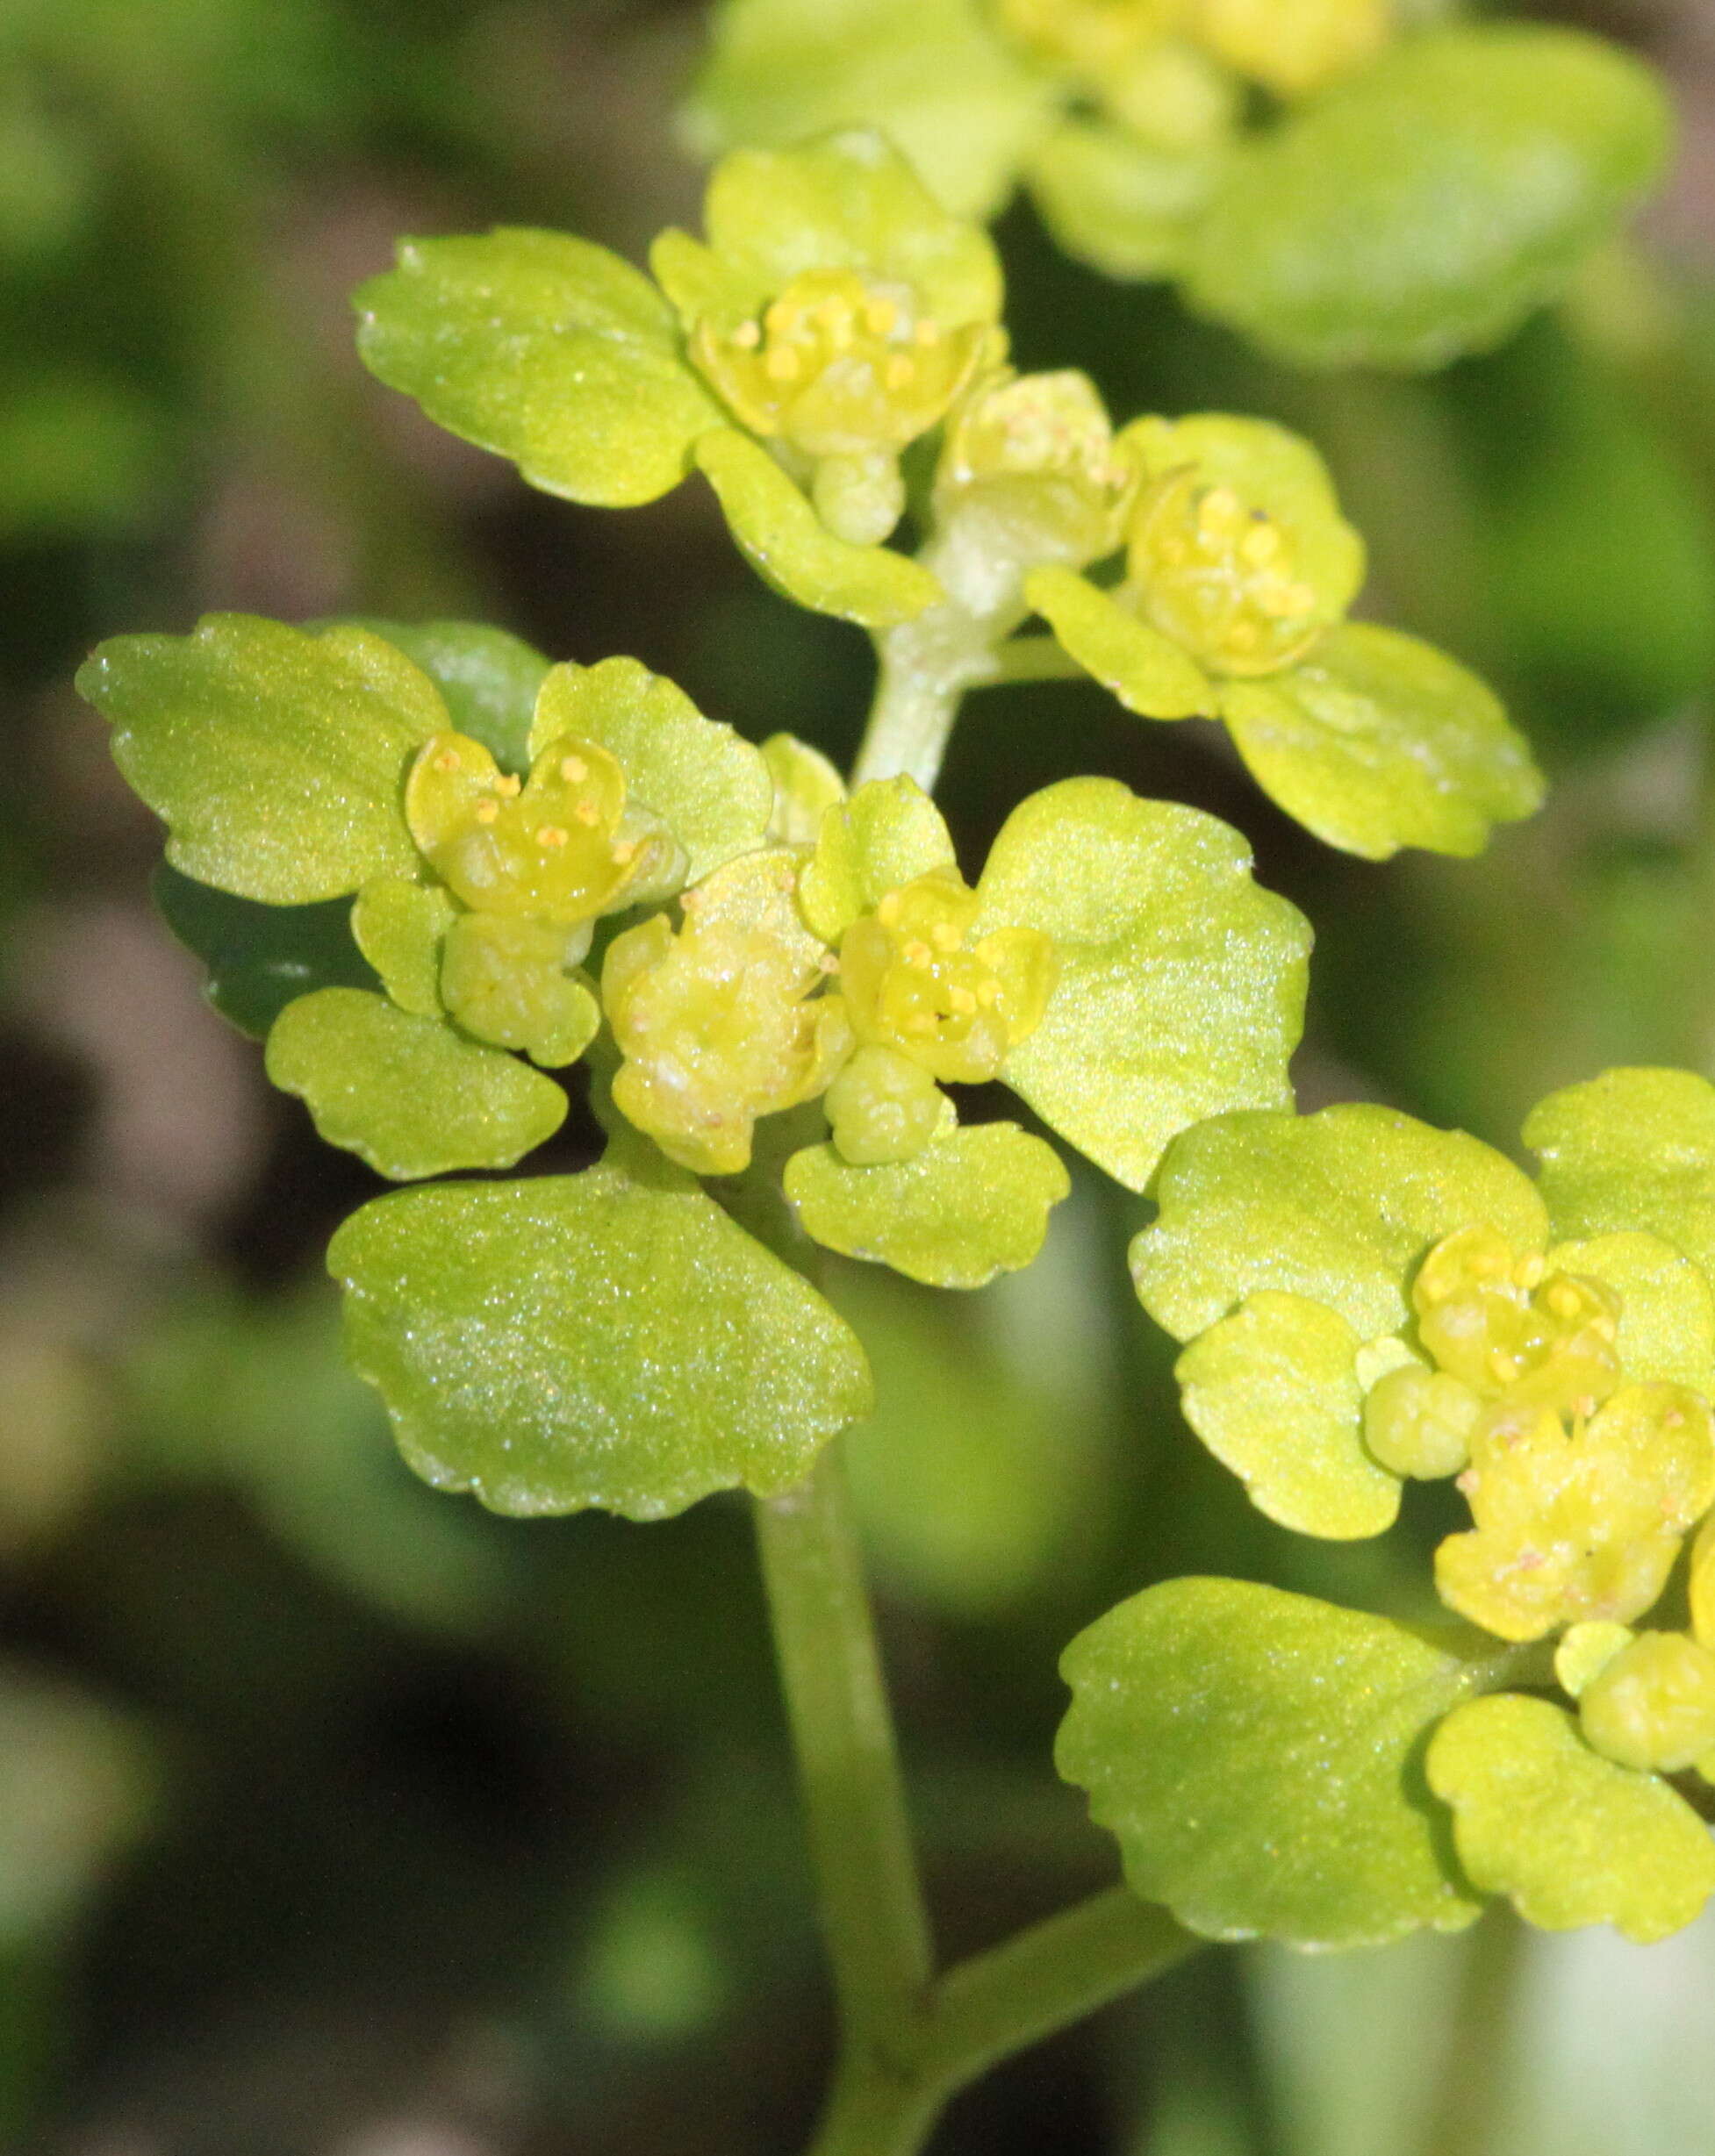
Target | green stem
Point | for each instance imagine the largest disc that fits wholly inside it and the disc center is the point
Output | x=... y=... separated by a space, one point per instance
x=836 y=1700
x=990 y=2007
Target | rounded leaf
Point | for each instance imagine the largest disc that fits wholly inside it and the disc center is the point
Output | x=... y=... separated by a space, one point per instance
x=1272 y=1391
x=973 y=1203
x=1424 y=207
x=1125 y=205
x=707 y=783
x=806 y=786
x=1337 y=1206
x=398 y=926
x=1181 y=982
x=547 y=349
x=1570 y=1837
x=275 y=757
x=1147 y=671
x=1377 y=740
x=586 y=1340
x=1631 y=1148
x=259 y=957
x=887 y=833
x=1257 y=1755
x=405 y=1092
x=792 y=550
x=849 y=201
x=962 y=107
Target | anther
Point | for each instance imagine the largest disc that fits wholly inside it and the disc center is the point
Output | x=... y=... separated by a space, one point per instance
x=917 y=953
x=508 y=784
x=573 y=769
x=447 y=760
x=962 y=1001
x=748 y=336
x=901 y=372
x=552 y=836
x=881 y=317
x=486 y=811
x=624 y=852
x=888 y=911
x=944 y=936
x=588 y=813
x=782 y=364
x=926 y=333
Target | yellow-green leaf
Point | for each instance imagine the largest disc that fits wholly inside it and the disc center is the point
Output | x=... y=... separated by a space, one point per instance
x=1377 y=740
x=1181 y=983
x=1631 y=1148
x=886 y=834
x=1147 y=671
x=1272 y=1391
x=1337 y=1206
x=1257 y=1754
x=790 y=548
x=276 y=758
x=973 y=1203
x=1570 y=1837
x=547 y=349
x=405 y=1092
x=587 y=1340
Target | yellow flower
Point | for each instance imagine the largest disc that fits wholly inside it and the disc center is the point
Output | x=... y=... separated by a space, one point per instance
x=914 y=982
x=720 y=1023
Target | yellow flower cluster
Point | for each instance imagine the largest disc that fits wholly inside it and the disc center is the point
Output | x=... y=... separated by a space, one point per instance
x=722 y=1023
x=1582 y=1488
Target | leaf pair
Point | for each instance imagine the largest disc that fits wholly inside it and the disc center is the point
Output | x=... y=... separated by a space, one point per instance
x=277 y=759
x=1239 y=571
x=1284 y=1253
x=832 y=315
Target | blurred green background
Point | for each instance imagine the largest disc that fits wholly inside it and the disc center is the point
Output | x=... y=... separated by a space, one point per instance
x=339 y=1819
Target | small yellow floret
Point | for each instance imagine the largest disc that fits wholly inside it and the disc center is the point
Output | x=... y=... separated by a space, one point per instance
x=1220 y=577
x=1652 y=1707
x=1293 y=46
x=916 y=981
x=720 y=1024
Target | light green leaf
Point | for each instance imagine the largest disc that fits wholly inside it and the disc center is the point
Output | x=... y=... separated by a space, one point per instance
x=806 y=786
x=586 y=1340
x=791 y=549
x=1122 y=205
x=1273 y=1392
x=1147 y=671
x=849 y=201
x=276 y=758
x=888 y=833
x=1424 y=207
x=1666 y=1319
x=1570 y=1837
x=488 y=680
x=398 y=926
x=955 y=99
x=1337 y=1206
x=1181 y=982
x=1256 y=1754
x=405 y=1092
x=547 y=349
x=1377 y=740
x=708 y=785
x=1631 y=1148
x=973 y=1203
x=260 y=958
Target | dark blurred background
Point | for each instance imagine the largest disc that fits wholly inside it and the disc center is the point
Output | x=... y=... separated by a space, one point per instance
x=341 y=1819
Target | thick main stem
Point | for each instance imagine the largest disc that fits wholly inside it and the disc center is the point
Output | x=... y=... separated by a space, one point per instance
x=836 y=1700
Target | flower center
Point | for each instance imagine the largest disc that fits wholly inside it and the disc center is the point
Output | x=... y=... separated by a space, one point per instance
x=839 y=364
x=1220 y=577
